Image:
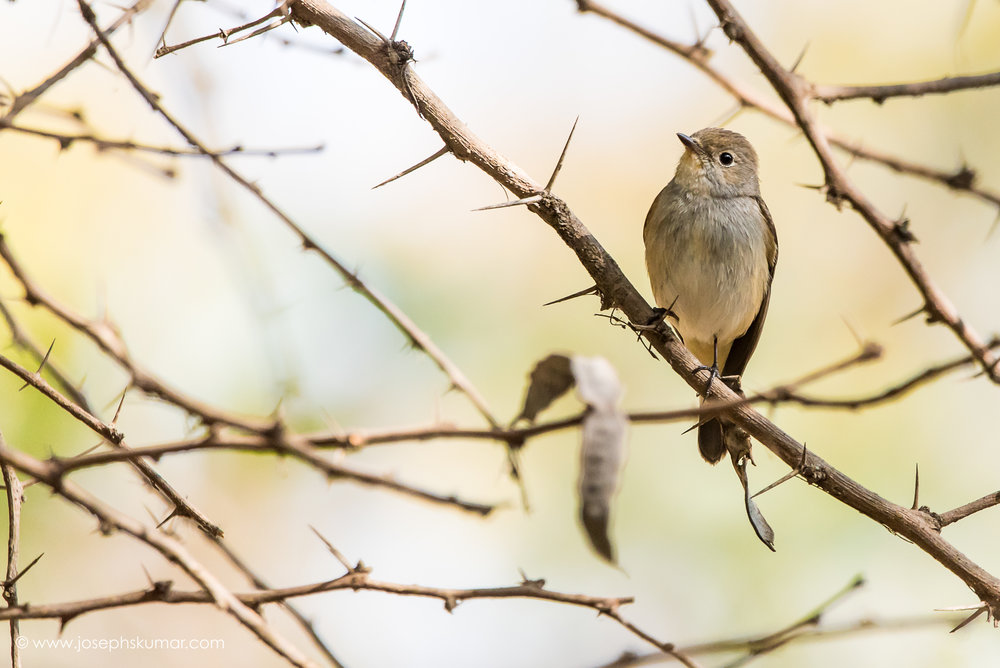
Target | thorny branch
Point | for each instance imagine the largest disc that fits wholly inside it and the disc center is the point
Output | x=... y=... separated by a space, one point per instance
x=393 y=60
x=417 y=338
x=213 y=590
x=103 y=144
x=356 y=440
x=111 y=434
x=962 y=179
x=276 y=440
x=15 y=497
x=879 y=94
x=356 y=580
x=794 y=92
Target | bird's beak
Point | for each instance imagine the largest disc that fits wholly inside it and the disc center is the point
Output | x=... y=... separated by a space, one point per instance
x=690 y=143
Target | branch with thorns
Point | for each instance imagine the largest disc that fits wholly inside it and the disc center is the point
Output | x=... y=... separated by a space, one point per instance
x=612 y=284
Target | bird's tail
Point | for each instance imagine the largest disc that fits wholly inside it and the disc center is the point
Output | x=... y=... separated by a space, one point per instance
x=710 y=442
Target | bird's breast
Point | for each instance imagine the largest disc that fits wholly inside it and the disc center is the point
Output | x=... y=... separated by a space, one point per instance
x=708 y=257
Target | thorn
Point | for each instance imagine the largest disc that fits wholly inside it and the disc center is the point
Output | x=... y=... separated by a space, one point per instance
x=531 y=199
x=916 y=485
x=798 y=61
x=118 y=411
x=694 y=426
x=857 y=337
x=910 y=315
x=901 y=231
x=335 y=552
x=562 y=156
x=538 y=583
x=592 y=290
x=970 y=618
x=699 y=52
x=23 y=571
x=375 y=32
x=41 y=366
x=993 y=227
x=426 y=161
x=788 y=476
x=399 y=19
x=729 y=116
x=962 y=179
x=173 y=513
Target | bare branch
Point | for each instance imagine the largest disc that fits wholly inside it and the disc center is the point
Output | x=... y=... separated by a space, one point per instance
x=25 y=99
x=106 y=431
x=103 y=144
x=880 y=94
x=112 y=435
x=395 y=315
x=355 y=581
x=276 y=442
x=222 y=34
x=952 y=516
x=803 y=634
x=213 y=590
x=893 y=392
x=23 y=341
x=794 y=92
x=912 y=525
x=109 y=341
x=15 y=497
x=290 y=607
x=747 y=97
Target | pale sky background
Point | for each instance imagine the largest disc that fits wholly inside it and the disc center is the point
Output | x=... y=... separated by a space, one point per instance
x=214 y=295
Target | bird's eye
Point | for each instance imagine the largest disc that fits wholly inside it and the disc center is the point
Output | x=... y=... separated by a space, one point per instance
x=726 y=158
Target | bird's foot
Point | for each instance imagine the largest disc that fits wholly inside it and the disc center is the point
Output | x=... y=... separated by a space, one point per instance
x=713 y=373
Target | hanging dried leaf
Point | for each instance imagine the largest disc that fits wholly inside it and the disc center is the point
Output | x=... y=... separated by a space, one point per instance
x=597 y=383
x=550 y=379
x=603 y=451
x=738 y=443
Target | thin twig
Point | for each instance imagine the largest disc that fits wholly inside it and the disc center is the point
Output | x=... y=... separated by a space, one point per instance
x=417 y=337
x=890 y=393
x=212 y=590
x=15 y=497
x=110 y=342
x=23 y=341
x=982 y=503
x=961 y=180
x=275 y=443
x=28 y=97
x=103 y=144
x=112 y=435
x=355 y=581
x=793 y=91
x=880 y=93
x=289 y=607
x=911 y=525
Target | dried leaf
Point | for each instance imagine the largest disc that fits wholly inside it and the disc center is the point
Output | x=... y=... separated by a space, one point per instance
x=597 y=383
x=603 y=451
x=550 y=379
x=738 y=443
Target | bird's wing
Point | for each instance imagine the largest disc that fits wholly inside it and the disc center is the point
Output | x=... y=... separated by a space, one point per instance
x=744 y=346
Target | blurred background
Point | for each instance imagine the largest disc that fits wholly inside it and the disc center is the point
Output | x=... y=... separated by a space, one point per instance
x=215 y=296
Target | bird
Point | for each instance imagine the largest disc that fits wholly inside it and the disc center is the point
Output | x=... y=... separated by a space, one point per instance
x=711 y=250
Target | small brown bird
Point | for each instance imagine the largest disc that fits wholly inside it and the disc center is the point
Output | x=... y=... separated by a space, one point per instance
x=711 y=249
